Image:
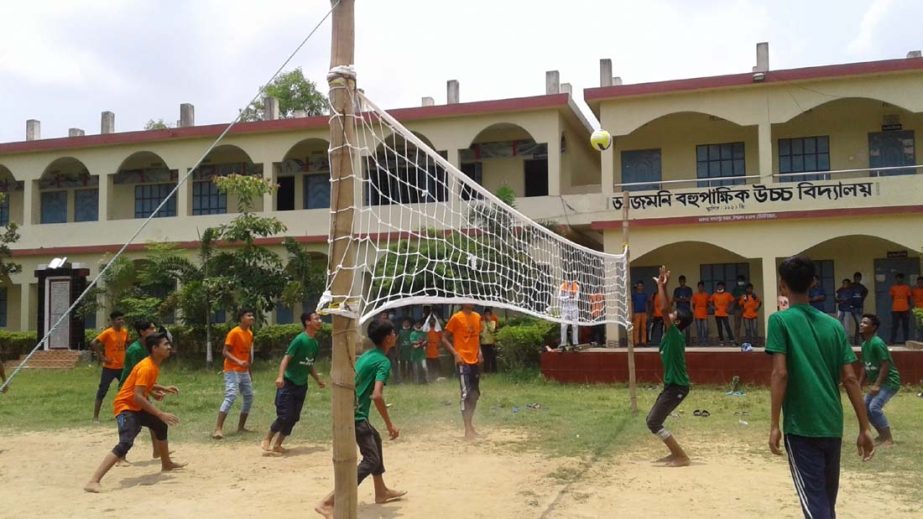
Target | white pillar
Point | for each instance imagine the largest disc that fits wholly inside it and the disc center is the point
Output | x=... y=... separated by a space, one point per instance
x=770 y=290
x=554 y=166
x=105 y=182
x=453 y=157
x=765 y=151
x=25 y=305
x=607 y=178
x=183 y=194
x=28 y=195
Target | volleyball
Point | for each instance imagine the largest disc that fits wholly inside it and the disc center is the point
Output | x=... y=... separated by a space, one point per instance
x=601 y=140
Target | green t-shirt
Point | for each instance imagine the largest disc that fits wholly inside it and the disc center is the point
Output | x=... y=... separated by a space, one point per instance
x=416 y=338
x=815 y=349
x=133 y=355
x=403 y=343
x=372 y=366
x=673 y=357
x=303 y=350
x=874 y=352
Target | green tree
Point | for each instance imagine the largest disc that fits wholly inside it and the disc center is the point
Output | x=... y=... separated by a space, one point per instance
x=159 y=124
x=294 y=92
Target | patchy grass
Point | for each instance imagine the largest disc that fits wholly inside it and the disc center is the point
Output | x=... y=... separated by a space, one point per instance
x=583 y=422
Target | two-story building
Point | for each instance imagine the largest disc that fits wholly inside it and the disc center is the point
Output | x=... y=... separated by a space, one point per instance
x=728 y=175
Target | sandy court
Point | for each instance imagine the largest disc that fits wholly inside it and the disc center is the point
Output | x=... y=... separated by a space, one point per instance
x=43 y=474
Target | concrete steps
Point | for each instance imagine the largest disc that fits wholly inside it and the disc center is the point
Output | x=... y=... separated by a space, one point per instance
x=48 y=359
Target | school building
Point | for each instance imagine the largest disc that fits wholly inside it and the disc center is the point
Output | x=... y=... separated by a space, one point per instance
x=726 y=175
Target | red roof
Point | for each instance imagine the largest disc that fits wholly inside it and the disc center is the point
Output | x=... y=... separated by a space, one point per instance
x=519 y=104
x=746 y=79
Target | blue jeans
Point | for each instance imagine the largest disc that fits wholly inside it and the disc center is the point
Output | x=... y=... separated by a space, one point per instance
x=237 y=382
x=701 y=331
x=875 y=404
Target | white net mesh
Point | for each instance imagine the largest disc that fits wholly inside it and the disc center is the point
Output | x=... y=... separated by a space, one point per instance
x=425 y=233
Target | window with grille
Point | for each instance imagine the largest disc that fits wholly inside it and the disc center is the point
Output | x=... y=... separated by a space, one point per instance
x=86 y=205
x=804 y=154
x=149 y=196
x=717 y=161
x=54 y=207
x=207 y=199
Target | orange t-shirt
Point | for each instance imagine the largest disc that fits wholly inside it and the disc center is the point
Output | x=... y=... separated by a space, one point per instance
x=750 y=304
x=597 y=304
x=114 y=347
x=433 y=340
x=240 y=345
x=917 y=293
x=143 y=374
x=721 y=300
x=656 y=305
x=466 y=332
x=900 y=298
x=700 y=305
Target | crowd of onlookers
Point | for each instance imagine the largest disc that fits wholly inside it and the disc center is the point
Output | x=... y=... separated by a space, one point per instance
x=416 y=356
x=736 y=311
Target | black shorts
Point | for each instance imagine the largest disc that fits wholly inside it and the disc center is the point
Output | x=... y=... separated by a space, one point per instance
x=130 y=424
x=105 y=380
x=369 y=442
x=668 y=400
x=469 y=380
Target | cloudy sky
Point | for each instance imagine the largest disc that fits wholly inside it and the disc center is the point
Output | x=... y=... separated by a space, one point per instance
x=63 y=62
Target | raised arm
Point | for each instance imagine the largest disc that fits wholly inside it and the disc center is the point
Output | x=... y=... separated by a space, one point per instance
x=662 y=279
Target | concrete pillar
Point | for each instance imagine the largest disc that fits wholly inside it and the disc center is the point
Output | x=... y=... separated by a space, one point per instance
x=75 y=132
x=552 y=82
x=33 y=130
x=270 y=108
x=607 y=176
x=184 y=195
x=428 y=101
x=25 y=303
x=28 y=195
x=107 y=123
x=554 y=166
x=764 y=143
x=762 y=57
x=452 y=92
x=186 y=115
x=605 y=72
x=453 y=157
x=567 y=88
x=770 y=291
x=105 y=200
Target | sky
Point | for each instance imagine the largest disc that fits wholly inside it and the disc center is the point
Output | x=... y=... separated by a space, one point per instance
x=63 y=62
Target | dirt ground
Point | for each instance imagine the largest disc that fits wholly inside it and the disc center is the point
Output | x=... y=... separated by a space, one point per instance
x=42 y=475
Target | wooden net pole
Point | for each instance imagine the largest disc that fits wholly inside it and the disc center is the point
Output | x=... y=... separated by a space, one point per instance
x=342 y=258
x=632 y=383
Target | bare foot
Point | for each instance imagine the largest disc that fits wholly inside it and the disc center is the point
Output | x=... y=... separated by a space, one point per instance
x=218 y=434
x=93 y=487
x=244 y=430
x=678 y=462
x=265 y=445
x=471 y=434
x=390 y=495
x=324 y=510
x=887 y=444
x=665 y=459
x=278 y=449
x=173 y=465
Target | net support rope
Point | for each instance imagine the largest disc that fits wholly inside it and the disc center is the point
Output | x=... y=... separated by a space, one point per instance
x=144 y=224
x=424 y=232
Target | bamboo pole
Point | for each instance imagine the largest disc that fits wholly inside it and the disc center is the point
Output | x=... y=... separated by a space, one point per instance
x=632 y=384
x=342 y=131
